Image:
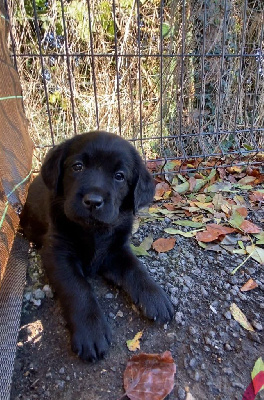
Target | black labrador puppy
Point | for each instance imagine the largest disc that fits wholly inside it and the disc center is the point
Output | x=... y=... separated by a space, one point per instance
x=80 y=211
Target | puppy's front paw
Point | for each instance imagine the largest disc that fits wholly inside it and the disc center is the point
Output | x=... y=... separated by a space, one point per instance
x=91 y=337
x=155 y=303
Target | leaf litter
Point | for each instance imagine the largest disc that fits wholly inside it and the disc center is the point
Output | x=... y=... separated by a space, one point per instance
x=214 y=206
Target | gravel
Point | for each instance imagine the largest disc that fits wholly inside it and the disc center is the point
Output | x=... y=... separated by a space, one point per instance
x=214 y=355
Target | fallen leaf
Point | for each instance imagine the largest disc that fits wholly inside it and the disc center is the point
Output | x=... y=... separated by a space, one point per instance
x=163 y=245
x=240 y=317
x=249 y=227
x=134 y=344
x=149 y=376
x=257 y=197
x=257 y=370
x=212 y=232
x=220 y=186
x=145 y=245
x=169 y=206
x=199 y=184
x=257 y=253
x=249 y=285
x=173 y=231
x=260 y=238
x=182 y=188
x=246 y=180
x=218 y=201
x=191 y=224
x=161 y=188
x=192 y=183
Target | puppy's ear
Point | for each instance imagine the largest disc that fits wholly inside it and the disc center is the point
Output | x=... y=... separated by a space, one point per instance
x=52 y=167
x=144 y=188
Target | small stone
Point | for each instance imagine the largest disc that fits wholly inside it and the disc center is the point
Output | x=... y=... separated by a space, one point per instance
x=120 y=314
x=68 y=378
x=192 y=330
x=228 y=347
x=179 y=317
x=60 y=384
x=174 y=300
x=28 y=296
x=181 y=393
x=48 y=375
x=38 y=294
x=204 y=291
x=193 y=363
x=62 y=370
x=48 y=292
x=228 y=315
x=196 y=376
x=257 y=325
x=36 y=303
x=109 y=296
x=228 y=371
x=111 y=315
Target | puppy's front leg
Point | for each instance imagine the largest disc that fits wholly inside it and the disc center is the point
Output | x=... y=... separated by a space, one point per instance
x=90 y=333
x=125 y=270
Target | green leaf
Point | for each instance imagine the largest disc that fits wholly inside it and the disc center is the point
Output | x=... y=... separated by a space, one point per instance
x=236 y=219
x=173 y=231
x=259 y=237
x=212 y=174
x=166 y=29
x=192 y=224
x=182 y=188
x=199 y=184
x=138 y=251
x=220 y=186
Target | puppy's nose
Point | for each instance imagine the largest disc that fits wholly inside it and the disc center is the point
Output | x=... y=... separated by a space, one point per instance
x=91 y=200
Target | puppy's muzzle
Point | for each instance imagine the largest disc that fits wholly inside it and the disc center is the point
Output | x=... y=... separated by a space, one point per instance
x=93 y=201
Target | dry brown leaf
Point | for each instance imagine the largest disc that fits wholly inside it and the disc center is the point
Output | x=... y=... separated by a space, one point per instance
x=212 y=232
x=162 y=245
x=249 y=285
x=242 y=211
x=249 y=227
x=169 y=206
x=149 y=376
x=257 y=197
x=161 y=188
x=192 y=182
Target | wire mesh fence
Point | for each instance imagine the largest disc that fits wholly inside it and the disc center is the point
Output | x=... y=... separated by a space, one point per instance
x=182 y=79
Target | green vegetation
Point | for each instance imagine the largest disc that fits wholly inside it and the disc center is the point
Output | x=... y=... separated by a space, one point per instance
x=201 y=92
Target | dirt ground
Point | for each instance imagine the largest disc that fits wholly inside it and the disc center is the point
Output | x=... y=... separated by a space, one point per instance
x=214 y=355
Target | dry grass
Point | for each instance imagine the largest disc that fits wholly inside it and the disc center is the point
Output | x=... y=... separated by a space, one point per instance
x=172 y=96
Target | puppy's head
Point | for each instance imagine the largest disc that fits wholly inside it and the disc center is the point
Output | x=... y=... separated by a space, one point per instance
x=97 y=175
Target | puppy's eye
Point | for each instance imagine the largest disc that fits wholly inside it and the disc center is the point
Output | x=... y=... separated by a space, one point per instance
x=78 y=166
x=119 y=176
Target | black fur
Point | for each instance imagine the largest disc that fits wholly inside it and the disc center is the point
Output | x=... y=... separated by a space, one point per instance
x=80 y=212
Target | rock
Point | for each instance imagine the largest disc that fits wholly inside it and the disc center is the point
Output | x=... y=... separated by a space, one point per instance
x=48 y=292
x=38 y=294
x=228 y=315
x=179 y=318
x=62 y=370
x=257 y=325
x=181 y=393
x=109 y=296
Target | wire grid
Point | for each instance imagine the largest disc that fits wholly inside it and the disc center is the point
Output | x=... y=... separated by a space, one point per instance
x=181 y=79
